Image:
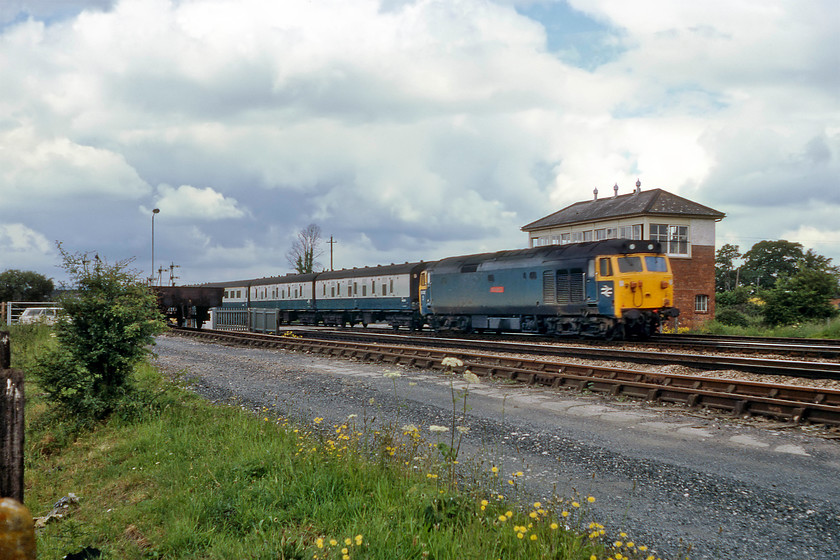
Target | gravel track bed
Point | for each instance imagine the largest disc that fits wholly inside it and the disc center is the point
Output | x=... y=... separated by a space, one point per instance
x=669 y=477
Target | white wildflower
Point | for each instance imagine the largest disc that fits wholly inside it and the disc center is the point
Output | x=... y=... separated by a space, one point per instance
x=391 y=374
x=463 y=429
x=451 y=362
x=470 y=377
x=438 y=429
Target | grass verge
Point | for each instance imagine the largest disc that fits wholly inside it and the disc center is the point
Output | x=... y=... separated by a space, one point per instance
x=171 y=476
x=828 y=328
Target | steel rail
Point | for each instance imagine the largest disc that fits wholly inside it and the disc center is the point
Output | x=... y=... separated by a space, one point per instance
x=792 y=403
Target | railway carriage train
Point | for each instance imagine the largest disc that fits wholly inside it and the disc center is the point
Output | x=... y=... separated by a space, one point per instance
x=608 y=289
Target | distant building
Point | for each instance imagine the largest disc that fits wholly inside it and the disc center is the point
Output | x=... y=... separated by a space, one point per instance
x=685 y=228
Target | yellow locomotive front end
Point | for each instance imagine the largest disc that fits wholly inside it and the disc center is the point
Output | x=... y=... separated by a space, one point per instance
x=639 y=288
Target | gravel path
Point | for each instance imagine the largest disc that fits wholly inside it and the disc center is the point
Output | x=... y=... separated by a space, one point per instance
x=668 y=477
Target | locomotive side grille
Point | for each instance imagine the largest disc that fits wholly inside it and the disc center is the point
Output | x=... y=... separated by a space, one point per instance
x=570 y=286
x=549 y=287
x=563 y=287
x=576 y=290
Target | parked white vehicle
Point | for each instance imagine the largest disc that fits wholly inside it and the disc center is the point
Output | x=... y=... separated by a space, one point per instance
x=46 y=315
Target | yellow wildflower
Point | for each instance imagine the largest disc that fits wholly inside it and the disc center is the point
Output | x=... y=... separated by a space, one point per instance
x=590 y=499
x=358 y=540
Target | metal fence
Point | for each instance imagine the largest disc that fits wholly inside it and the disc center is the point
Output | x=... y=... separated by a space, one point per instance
x=253 y=320
x=14 y=309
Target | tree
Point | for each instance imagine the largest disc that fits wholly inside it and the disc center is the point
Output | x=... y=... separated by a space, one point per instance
x=108 y=322
x=768 y=261
x=804 y=296
x=725 y=270
x=304 y=252
x=24 y=285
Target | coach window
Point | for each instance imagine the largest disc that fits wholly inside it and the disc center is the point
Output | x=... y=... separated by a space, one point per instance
x=392 y=285
x=605 y=267
x=532 y=275
x=491 y=278
x=373 y=287
x=356 y=288
x=364 y=290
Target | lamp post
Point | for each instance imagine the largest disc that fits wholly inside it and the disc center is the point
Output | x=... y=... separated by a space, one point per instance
x=152 y=276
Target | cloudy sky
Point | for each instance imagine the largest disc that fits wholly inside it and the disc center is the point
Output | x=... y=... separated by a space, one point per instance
x=407 y=130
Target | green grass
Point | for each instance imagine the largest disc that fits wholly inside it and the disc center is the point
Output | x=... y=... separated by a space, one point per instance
x=829 y=328
x=171 y=476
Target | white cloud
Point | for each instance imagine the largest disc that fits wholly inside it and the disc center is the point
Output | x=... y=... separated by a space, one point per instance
x=25 y=247
x=50 y=169
x=187 y=201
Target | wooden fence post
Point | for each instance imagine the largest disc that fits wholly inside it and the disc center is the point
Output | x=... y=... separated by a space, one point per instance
x=5 y=350
x=11 y=425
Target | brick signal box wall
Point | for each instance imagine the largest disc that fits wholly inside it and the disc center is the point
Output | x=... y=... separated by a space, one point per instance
x=691 y=277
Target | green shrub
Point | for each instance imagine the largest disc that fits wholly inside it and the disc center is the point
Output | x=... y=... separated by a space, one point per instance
x=105 y=329
x=731 y=317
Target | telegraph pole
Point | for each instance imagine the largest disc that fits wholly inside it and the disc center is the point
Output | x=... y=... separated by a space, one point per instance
x=331 y=242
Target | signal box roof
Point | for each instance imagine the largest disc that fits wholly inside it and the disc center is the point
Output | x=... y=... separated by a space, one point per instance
x=652 y=202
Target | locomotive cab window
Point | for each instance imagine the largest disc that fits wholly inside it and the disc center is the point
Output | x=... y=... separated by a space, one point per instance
x=656 y=264
x=605 y=267
x=629 y=264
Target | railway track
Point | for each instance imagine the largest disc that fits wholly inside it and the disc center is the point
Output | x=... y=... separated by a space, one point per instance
x=785 y=402
x=808 y=369
x=827 y=349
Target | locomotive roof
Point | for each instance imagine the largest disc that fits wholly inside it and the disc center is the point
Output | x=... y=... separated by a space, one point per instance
x=548 y=253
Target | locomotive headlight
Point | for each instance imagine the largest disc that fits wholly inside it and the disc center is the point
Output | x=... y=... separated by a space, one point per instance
x=650 y=246
x=664 y=284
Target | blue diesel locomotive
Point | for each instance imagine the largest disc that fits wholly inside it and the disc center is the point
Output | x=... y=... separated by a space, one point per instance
x=605 y=289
